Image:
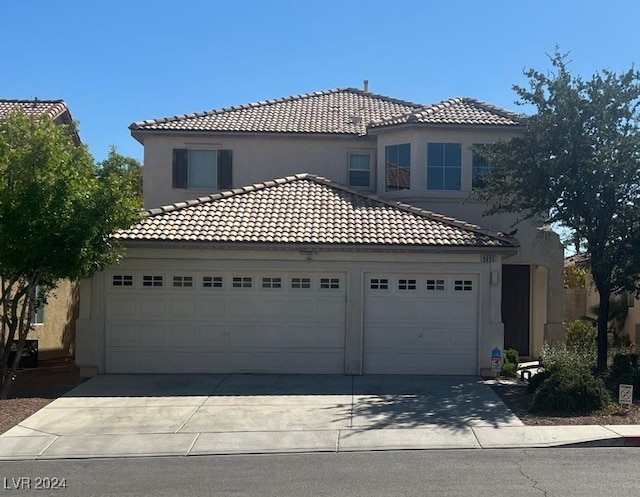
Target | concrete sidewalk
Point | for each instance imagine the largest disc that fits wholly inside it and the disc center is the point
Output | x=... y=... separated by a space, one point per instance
x=183 y=415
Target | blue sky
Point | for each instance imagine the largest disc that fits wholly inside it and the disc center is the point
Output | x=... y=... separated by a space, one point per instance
x=120 y=61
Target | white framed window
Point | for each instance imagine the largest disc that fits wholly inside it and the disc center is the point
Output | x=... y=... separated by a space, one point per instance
x=463 y=285
x=379 y=284
x=152 y=281
x=212 y=282
x=359 y=170
x=183 y=281
x=435 y=285
x=397 y=167
x=202 y=169
x=407 y=284
x=300 y=283
x=242 y=282
x=329 y=283
x=271 y=282
x=122 y=280
x=444 y=166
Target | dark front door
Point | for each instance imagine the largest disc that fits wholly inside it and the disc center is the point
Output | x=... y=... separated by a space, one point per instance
x=516 y=283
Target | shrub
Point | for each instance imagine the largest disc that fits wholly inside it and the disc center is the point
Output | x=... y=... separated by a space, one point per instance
x=623 y=364
x=582 y=337
x=537 y=380
x=561 y=357
x=568 y=391
x=512 y=356
x=509 y=369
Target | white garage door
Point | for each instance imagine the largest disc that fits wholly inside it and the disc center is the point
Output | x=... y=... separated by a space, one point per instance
x=420 y=324
x=213 y=322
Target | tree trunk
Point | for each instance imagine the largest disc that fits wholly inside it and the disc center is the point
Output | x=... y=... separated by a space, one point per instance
x=603 y=329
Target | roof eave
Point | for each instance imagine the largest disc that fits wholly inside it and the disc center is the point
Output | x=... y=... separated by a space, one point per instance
x=298 y=247
x=373 y=130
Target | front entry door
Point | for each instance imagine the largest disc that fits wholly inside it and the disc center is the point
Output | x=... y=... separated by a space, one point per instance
x=516 y=284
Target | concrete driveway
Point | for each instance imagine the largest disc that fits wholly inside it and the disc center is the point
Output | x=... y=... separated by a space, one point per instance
x=125 y=415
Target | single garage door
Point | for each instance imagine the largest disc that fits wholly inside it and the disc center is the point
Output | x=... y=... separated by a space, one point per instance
x=216 y=322
x=421 y=324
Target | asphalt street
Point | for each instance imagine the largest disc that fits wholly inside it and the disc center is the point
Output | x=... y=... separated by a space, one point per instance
x=509 y=472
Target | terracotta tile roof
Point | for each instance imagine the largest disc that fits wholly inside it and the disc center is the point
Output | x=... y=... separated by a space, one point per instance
x=306 y=209
x=460 y=111
x=53 y=108
x=341 y=110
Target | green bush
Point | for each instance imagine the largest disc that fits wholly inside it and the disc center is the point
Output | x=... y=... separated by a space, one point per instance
x=512 y=356
x=561 y=357
x=582 y=337
x=509 y=369
x=568 y=391
x=537 y=380
x=622 y=365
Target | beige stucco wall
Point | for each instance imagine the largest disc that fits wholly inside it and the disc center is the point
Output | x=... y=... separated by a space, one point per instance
x=56 y=335
x=90 y=325
x=256 y=158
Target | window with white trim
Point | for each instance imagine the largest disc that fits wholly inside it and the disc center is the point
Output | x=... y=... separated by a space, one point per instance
x=300 y=283
x=329 y=283
x=183 y=281
x=479 y=168
x=152 y=281
x=435 y=285
x=406 y=284
x=122 y=280
x=212 y=282
x=397 y=167
x=269 y=282
x=241 y=282
x=379 y=284
x=463 y=285
x=206 y=169
x=360 y=170
x=444 y=166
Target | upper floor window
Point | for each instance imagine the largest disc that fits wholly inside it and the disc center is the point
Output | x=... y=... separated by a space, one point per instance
x=444 y=166
x=397 y=167
x=479 y=167
x=360 y=170
x=207 y=169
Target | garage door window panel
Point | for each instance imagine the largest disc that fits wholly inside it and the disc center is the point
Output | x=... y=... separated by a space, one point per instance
x=435 y=285
x=301 y=283
x=329 y=283
x=152 y=281
x=272 y=283
x=122 y=280
x=379 y=284
x=212 y=282
x=407 y=284
x=242 y=282
x=183 y=281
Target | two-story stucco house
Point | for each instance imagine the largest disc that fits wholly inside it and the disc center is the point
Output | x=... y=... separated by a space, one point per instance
x=329 y=232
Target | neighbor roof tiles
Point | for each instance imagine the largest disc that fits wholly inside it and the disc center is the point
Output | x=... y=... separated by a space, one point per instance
x=306 y=209
x=52 y=108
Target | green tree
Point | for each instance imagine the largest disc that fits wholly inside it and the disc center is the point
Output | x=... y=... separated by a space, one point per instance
x=128 y=167
x=577 y=165
x=56 y=217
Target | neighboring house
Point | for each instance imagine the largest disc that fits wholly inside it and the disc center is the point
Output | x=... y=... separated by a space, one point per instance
x=580 y=302
x=352 y=274
x=54 y=324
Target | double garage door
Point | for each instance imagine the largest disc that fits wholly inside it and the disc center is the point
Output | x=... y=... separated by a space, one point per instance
x=214 y=322
x=287 y=322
